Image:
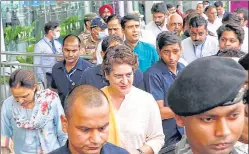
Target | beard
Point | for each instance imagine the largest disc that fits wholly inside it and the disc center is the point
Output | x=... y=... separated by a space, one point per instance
x=159 y=23
x=105 y=18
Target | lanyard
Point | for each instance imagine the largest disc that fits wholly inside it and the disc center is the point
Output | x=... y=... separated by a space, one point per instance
x=54 y=51
x=68 y=75
x=159 y=28
x=201 y=50
x=173 y=75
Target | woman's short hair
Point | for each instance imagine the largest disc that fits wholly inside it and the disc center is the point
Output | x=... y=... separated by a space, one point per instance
x=237 y=29
x=120 y=54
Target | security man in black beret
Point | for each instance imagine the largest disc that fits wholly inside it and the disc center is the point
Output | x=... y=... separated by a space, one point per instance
x=244 y=61
x=244 y=138
x=207 y=99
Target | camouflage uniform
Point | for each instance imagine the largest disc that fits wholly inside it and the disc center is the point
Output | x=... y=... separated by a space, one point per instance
x=182 y=147
x=89 y=46
x=86 y=34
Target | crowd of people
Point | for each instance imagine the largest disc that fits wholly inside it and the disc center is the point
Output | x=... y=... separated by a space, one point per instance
x=178 y=85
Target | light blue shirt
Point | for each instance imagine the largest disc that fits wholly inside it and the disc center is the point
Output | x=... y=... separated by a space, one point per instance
x=147 y=55
x=45 y=46
x=26 y=141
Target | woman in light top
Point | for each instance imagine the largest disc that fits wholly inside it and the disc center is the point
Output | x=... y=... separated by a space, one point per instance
x=31 y=117
x=136 y=112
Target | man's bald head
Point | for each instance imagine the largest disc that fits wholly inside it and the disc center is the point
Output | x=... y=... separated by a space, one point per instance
x=87 y=95
x=174 y=16
x=175 y=23
x=71 y=39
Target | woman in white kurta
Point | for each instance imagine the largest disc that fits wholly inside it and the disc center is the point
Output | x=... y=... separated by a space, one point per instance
x=136 y=112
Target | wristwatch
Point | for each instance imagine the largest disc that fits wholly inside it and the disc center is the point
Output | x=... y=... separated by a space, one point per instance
x=140 y=151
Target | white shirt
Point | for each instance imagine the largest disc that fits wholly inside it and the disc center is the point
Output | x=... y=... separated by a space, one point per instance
x=212 y=27
x=139 y=121
x=210 y=47
x=8 y=17
x=151 y=26
x=155 y=30
x=184 y=62
x=241 y=148
x=45 y=46
x=244 y=46
x=146 y=37
x=204 y=15
x=98 y=53
x=221 y=16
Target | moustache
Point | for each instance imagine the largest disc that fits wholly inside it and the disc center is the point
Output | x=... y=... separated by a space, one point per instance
x=197 y=42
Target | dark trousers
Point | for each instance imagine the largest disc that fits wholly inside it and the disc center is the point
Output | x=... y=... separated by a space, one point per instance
x=168 y=150
x=8 y=24
x=49 y=79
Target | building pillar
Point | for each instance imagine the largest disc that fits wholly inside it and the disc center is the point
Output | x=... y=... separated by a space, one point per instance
x=147 y=11
x=87 y=7
x=121 y=8
x=135 y=5
x=129 y=7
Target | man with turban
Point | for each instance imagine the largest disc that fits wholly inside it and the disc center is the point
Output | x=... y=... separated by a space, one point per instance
x=105 y=11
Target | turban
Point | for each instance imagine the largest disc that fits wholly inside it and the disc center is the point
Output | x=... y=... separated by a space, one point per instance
x=102 y=8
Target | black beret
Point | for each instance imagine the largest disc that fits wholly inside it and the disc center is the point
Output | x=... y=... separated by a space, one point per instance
x=244 y=61
x=205 y=84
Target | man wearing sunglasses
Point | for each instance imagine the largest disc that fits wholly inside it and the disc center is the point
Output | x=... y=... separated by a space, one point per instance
x=207 y=99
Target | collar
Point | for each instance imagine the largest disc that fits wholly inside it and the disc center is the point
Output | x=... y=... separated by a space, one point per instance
x=223 y=12
x=46 y=39
x=210 y=22
x=221 y=16
x=79 y=64
x=125 y=96
x=92 y=40
x=99 y=71
x=183 y=146
x=164 y=67
x=130 y=93
x=138 y=42
x=164 y=28
x=87 y=31
x=65 y=148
